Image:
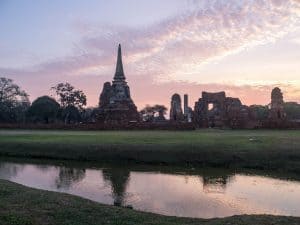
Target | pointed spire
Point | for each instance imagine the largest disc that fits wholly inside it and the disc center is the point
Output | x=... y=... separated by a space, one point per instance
x=119 y=75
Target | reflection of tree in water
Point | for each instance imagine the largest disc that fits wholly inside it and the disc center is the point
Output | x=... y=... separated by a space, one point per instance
x=118 y=179
x=68 y=176
x=215 y=183
x=9 y=170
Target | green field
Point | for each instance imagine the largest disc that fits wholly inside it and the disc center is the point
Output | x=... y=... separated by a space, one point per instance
x=20 y=205
x=277 y=150
x=255 y=149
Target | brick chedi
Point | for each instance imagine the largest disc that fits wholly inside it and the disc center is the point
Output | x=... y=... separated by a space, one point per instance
x=176 y=114
x=115 y=103
x=276 y=112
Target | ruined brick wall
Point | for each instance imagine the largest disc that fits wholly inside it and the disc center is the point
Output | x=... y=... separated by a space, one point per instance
x=226 y=111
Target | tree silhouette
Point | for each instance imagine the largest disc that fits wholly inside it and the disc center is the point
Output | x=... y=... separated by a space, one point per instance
x=44 y=109
x=150 y=112
x=13 y=101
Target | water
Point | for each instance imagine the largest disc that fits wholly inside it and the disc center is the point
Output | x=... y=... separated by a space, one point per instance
x=189 y=193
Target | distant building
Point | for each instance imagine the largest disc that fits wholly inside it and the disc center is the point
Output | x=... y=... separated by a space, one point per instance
x=211 y=110
x=176 y=114
x=277 y=112
x=115 y=103
x=217 y=110
x=187 y=111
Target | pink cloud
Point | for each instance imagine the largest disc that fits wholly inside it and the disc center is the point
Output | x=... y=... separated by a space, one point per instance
x=177 y=45
x=145 y=90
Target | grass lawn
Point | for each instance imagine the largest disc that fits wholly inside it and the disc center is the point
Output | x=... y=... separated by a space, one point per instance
x=20 y=205
x=257 y=149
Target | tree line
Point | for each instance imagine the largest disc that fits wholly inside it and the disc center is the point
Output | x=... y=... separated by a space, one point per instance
x=69 y=106
x=15 y=106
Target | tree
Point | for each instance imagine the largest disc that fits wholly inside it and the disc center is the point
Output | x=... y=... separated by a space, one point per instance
x=71 y=100
x=13 y=101
x=69 y=96
x=160 y=109
x=292 y=110
x=149 y=113
x=261 y=111
x=70 y=114
x=44 y=109
x=89 y=114
x=20 y=110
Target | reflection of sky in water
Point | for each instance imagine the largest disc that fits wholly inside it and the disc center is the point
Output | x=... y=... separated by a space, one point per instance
x=170 y=194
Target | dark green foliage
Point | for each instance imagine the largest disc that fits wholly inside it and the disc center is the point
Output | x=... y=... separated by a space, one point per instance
x=71 y=114
x=72 y=102
x=43 y=110
x=69 y=96
x=13 y=102
x=149 y=112
x=14 y=219
x=262 y=111
x=89 y=115
x=292 y=110
x=28 y=206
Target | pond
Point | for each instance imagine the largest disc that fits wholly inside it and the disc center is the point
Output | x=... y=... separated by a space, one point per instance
x=205 y=193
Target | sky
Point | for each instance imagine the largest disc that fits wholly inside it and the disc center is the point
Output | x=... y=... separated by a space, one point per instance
x=243 y=47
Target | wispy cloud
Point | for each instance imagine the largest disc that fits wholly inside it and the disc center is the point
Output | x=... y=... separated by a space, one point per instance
x=210 y=29
x=177 y=45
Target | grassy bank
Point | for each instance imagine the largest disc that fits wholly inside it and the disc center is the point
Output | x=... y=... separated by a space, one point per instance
x=20 y=205
x=257 y=149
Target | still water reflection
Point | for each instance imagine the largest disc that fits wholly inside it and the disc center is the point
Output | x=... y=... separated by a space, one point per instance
x=204 y=194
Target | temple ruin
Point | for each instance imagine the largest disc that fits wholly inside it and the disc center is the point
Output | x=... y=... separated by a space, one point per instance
x=276 y=112
x=212 y=110
x=116 y=107
x=176 y=109
x=187 y=111
x=217 y=110
x=115 y=103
